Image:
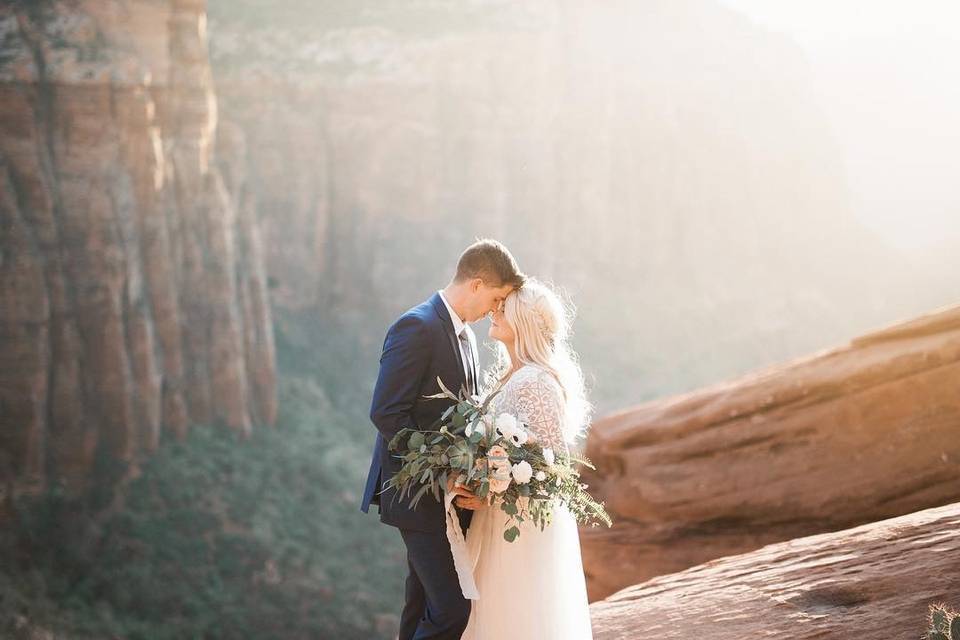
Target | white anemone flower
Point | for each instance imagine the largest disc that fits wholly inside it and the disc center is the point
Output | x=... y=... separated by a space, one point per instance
x=518 y=437
x=505 y=425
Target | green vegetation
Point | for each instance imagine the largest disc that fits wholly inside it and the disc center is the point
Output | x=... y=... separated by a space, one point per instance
x=944 y=623
x=418 y=17
x=291 y=36
x=221 y=537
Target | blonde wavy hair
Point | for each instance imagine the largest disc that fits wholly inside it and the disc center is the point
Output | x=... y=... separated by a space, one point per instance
x=541 y=322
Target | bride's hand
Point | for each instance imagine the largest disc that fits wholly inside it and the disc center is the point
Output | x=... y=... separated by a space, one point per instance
x=465 y=498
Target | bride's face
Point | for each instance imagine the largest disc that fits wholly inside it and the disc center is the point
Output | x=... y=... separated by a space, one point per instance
x=500 y=329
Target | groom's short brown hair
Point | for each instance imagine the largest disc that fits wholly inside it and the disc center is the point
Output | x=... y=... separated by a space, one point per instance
x=488 y=259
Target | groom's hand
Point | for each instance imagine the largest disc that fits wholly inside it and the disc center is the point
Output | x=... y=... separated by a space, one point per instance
x=465 y=498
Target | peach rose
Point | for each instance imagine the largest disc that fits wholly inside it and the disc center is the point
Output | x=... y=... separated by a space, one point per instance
x=497 y=456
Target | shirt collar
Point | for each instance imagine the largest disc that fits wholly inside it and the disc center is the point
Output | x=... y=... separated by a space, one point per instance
x=458 y=324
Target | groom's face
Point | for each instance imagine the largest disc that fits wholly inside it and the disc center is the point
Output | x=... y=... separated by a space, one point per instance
x=485 y=298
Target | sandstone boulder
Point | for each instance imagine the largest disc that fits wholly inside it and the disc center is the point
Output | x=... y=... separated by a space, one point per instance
x=862 y=432
x=871 y=582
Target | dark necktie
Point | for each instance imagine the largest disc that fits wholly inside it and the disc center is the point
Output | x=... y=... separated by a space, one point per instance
x=468 y=354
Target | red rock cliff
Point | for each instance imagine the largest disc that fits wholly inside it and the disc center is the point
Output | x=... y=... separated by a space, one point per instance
x=132 y=287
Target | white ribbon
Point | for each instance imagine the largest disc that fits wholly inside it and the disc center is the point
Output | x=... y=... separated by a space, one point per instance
x=458 y=547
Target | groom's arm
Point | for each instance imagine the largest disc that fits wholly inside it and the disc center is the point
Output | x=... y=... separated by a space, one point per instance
x=403 y=363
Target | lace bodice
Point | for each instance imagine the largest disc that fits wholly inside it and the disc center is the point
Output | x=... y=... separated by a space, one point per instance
x=535 y=397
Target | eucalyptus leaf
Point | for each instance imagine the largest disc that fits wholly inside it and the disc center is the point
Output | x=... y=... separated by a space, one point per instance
x=447 y=391
x=416 y=441
x=395 y=441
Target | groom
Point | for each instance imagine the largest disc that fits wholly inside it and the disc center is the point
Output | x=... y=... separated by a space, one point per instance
x=433 y=339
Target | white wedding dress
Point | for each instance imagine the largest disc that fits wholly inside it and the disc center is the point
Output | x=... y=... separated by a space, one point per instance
x=533 y=587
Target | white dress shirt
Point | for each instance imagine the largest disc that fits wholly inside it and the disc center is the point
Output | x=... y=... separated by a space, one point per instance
x=459 y=326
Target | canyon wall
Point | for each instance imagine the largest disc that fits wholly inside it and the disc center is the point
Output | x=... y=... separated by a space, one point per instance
x=133 y=296
x=662 y=160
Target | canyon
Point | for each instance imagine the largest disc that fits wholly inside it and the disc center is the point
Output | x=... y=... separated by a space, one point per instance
x=173 y=190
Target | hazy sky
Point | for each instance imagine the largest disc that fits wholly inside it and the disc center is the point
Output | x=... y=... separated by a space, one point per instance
x=887 y=75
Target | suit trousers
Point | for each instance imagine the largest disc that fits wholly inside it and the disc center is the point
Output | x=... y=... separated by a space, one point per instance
x=434 y=607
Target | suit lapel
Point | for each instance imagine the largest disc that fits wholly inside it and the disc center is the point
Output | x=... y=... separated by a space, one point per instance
x=447 y=322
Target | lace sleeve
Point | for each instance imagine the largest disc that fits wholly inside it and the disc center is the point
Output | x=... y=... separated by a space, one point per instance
x=540 y=405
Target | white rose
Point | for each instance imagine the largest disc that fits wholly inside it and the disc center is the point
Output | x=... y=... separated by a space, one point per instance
x=541 y=476
x=522 y=472
x=469 y=430
x=548 y=455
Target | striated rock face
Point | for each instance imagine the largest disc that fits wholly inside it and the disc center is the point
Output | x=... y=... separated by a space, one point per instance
x=673 y=135
x=871 y=582
x=132 y=286
x=859 y=433
x=663 y=160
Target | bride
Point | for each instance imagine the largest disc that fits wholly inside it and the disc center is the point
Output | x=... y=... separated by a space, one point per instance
x=532 y=587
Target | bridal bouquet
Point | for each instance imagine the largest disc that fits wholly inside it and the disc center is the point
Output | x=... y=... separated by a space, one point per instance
x=496 y=458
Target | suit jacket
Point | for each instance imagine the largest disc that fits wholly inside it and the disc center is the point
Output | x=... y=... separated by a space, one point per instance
x=420 y=346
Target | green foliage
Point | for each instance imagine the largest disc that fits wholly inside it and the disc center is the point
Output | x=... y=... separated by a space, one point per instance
x=218 y=538
x=464 y=443
x=285 y=35
x=944 y=623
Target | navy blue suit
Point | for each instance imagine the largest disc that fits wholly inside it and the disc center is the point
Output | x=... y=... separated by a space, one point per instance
x=420 y=346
